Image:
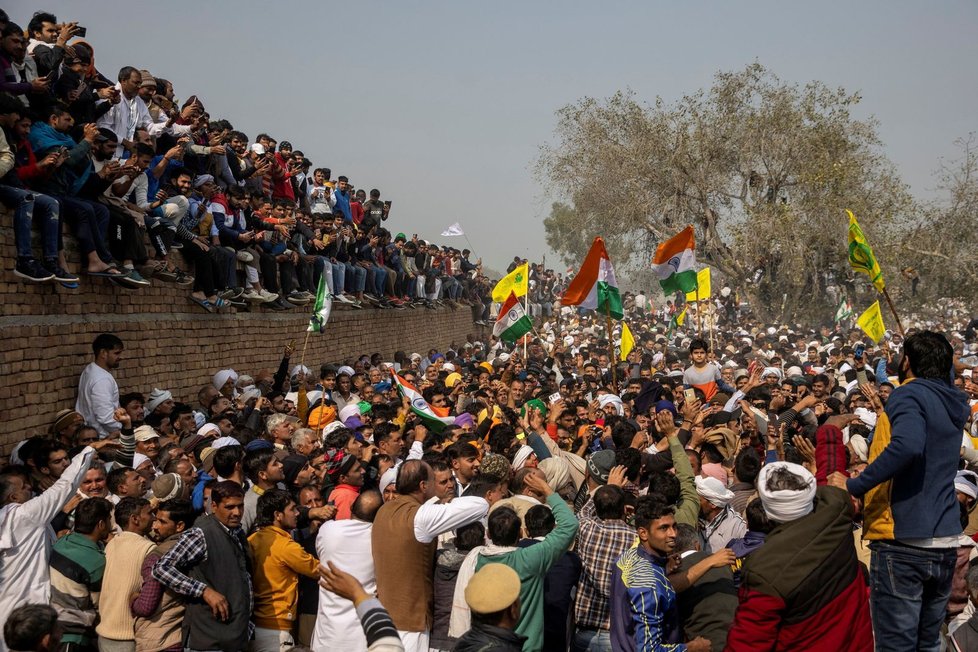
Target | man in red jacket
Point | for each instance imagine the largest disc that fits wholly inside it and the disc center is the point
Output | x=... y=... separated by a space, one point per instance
x=804 y=589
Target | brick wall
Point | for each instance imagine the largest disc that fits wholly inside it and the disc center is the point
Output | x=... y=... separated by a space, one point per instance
x=46 y=333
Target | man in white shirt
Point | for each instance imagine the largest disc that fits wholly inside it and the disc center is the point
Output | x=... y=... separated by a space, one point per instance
x=26 y=535
x=131 y=112
x=98 y=393
x=403 y=541
x=343 y=542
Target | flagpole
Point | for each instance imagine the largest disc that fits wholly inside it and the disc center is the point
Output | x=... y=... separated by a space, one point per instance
x=889 y=302
x=699 y=313
x=526 y=309
x=611 y=349
x=302 y=362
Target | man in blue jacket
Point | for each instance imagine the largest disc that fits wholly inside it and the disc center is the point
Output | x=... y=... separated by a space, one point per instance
x=911 y=512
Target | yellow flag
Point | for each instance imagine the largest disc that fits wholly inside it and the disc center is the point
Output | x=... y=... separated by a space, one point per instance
x=861 y=254
x=681 y=318
x=517 y=282
x=627 y=341
x=871 y=322
x=703 y=290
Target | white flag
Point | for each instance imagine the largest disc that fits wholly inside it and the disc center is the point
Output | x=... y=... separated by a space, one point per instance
x=453 y=230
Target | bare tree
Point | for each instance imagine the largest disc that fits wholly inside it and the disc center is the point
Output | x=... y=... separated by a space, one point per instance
x=763 y=169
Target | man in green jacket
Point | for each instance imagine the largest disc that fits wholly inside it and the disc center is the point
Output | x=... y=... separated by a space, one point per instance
x=531 y=563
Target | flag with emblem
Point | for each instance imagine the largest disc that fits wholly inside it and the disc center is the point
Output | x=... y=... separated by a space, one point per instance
x=595 y=286
x=435 y=418
x=516 y=282
x=861 y=256
x=513 y=321
x=322 y=307
x=844 y=311
x=675 y=263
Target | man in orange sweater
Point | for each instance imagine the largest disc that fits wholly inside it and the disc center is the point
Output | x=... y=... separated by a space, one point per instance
x=279 y=561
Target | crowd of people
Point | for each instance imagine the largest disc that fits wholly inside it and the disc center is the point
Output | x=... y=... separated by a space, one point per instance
x=785 y=488
x=727 y=484
x=120 y=162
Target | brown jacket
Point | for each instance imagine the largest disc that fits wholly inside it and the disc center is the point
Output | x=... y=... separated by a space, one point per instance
x=403 y=565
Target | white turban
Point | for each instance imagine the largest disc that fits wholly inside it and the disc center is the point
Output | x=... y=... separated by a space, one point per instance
x=860 y=447
x=209 y=429
x=522 y=455
x=713 y=490
x=221 y=442
x=772 y=371
x=389 y=478
x=296 y=369
x=612 y=399
x=222 y=377
x=330 y=427
x=786 y=505
x=557 y=472
x=156 y=398
x=138 y=459
x=345 y=370
x=350 y=410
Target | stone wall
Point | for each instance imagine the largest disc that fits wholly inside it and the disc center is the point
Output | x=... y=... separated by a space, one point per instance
x=46 y=333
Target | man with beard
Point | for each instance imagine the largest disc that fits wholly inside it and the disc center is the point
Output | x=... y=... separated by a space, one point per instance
x=98 y=393
x=158 y=610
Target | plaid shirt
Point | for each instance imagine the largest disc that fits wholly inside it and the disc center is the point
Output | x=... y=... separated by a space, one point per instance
x=599 y=544
x=191 y=550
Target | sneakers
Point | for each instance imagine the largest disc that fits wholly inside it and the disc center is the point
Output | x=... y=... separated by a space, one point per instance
x=298 y=299
x=279 y=304
x=342 y=298
x=61 y=275
x=133 y=277
x=33 y=271
x=266 y=296
x=253 y=296
x=231 y=293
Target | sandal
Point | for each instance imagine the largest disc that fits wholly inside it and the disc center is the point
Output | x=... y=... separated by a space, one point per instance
x=203 y=303
x=219 y=303
x=107 y=272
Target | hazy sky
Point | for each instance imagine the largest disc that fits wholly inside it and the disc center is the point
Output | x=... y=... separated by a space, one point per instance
x=443 y=105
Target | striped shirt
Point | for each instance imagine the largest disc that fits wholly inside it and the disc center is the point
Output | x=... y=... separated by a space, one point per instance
x=77 y=565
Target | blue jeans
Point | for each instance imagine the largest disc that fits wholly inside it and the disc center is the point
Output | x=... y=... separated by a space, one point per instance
x=27 y=205
x=591 y=640
x=379 y=275
x=909 y=590
x=356 y=278
x=339 y=277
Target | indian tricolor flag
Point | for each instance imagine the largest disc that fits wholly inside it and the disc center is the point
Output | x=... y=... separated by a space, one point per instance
x=435 y=418
x=675 y=262
x=512 y=322
x=595 y=286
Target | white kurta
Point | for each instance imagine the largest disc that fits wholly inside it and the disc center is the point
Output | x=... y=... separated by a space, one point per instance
x=26 y=538
x=347 y=544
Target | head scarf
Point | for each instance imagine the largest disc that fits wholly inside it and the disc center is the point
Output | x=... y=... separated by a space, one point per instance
x=522 y=455
x=613 y=400
x=156 y=398
x=557 y=472
x=222 y=377
x=714 y=491
x=786 y=505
